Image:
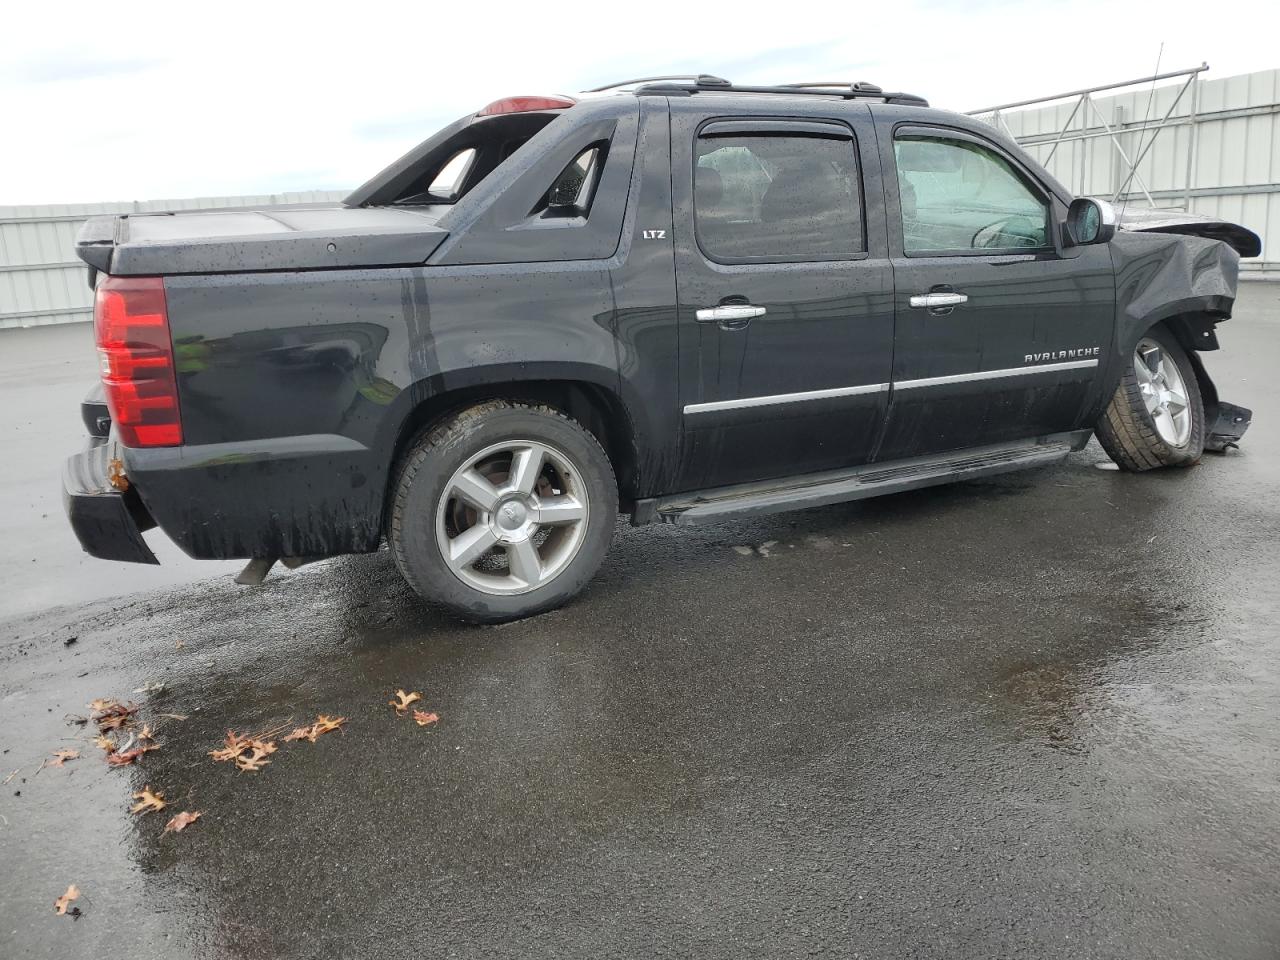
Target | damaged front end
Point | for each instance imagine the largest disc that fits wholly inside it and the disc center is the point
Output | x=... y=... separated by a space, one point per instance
x=1182 y=270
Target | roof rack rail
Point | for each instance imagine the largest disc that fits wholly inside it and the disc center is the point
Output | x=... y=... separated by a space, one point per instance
x=708 y=84
x=705 y=79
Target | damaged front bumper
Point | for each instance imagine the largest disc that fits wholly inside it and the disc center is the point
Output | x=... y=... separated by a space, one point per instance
x=107 y=515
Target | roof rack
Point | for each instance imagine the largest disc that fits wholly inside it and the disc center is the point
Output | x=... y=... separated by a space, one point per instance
x=704 y=78
x=706 y=83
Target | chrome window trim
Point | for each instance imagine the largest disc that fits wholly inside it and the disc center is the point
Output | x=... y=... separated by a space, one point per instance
x=779 y=398
x=995 y=374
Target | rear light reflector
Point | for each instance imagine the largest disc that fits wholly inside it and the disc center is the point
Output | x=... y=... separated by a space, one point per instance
x=131 y=325
x=526 y=105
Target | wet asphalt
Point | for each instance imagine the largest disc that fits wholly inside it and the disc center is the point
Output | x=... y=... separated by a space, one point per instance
x=1036 y=716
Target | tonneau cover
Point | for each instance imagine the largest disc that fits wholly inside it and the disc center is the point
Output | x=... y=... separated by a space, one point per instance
x=235 y=241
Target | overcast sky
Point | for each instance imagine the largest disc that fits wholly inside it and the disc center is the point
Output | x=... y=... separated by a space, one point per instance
x=129 y=101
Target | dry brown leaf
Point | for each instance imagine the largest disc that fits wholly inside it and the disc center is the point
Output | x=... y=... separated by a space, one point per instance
x=112 y=715
x=104 y=743
x=325 y=724
x=146 y=732
x=254 y=760
x=235 y=745
x=64 y=901
x=147 y=801
x=425 y=719
x=62 y=756
x=404 y=700
x=322 y=725
x=123 y=758
x=181 y=822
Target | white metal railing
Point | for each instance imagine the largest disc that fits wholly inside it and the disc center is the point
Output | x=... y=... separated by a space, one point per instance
x=1085 y=122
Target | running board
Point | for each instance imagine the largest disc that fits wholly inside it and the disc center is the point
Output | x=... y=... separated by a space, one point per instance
x=870 y=480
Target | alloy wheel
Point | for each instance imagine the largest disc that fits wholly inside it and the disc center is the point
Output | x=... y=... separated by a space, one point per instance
x=512 y=517
x=1163 y=392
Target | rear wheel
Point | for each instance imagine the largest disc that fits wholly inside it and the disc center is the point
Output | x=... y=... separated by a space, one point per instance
x=1156 y=417
x=503 y=511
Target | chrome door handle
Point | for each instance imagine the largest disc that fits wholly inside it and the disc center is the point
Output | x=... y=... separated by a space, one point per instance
x=931 y=301
x=729 y=312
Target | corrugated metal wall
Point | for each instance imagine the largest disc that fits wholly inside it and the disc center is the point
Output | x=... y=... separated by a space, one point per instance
x=41 y=281
x=1235 y=163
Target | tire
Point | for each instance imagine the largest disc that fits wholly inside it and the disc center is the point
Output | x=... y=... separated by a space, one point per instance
x=1156 y=417
x=524 y=488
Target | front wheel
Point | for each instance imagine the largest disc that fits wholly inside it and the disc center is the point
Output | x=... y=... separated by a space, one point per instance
x=502 y=511
x=1156 y=417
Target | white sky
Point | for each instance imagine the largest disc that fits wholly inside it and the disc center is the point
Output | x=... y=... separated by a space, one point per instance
x=132 y=100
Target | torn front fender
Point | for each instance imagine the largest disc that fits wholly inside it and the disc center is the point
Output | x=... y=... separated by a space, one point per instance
x=1160 y=277
x=1188 y=283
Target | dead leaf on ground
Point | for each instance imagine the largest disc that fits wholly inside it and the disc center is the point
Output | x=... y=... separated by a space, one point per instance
x=123 y=758
x=425 y=719
x=62 y=756
x=64 y=901
x=256 y=758
x=181 y=822
x=147 y=801
x=404 y=700
x=104 y=743
x=322 y=725
x=111 y=714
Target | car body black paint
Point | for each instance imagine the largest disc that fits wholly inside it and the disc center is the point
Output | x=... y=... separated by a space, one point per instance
x=300 y=367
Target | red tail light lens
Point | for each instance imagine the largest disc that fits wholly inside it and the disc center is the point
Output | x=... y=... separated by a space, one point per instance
x=131 y=323
x=526 y=105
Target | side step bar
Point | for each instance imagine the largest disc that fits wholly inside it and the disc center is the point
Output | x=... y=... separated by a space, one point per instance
x=857 y=483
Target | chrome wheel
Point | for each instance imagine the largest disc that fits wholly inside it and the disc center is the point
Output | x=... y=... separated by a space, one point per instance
x=512 y=518
x=1163 y=391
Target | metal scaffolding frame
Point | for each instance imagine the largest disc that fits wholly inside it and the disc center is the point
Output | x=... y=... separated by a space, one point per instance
x=1085 y=122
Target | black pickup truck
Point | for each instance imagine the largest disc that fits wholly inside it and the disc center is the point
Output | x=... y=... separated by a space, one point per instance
x=676 y=298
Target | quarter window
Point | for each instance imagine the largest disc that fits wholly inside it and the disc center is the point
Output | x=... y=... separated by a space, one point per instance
x=447 y=184
x=777 y=198
x=960 y=196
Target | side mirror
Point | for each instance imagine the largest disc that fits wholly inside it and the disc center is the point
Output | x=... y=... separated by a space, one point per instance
x=1090 y=221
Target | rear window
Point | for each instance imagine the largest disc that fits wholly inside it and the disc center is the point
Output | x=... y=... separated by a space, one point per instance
x=777 y=198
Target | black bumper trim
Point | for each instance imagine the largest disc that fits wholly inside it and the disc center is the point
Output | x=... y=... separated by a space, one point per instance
x=107 y=523
x=1228 y=426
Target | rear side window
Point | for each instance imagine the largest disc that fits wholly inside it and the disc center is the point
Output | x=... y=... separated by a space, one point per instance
x=777 y=198
x=958 y=196
x=448 y=183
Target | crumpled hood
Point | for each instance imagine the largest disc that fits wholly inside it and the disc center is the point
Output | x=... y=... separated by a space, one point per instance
x=1153 y=220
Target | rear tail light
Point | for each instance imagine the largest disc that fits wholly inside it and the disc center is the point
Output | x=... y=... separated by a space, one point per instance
x=131 y=323
x=526 y=105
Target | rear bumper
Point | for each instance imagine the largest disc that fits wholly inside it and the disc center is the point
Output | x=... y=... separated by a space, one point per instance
x=107 y=522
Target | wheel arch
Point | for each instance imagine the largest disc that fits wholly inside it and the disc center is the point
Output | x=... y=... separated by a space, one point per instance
x=595 y=405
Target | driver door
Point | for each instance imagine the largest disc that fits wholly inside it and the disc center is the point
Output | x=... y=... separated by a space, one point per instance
x=999 y=332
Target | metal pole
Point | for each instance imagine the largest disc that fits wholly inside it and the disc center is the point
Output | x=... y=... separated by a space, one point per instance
x=1108 y=86
x=1191 y=143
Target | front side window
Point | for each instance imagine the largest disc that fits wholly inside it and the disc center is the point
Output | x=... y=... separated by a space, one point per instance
x=777 y=198
x=960 y=196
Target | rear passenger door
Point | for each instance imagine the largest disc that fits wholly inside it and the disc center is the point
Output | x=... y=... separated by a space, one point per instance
x=784 y=288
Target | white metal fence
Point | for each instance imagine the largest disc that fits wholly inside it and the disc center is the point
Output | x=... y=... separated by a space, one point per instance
x=42 y=282
x=1211 y=146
